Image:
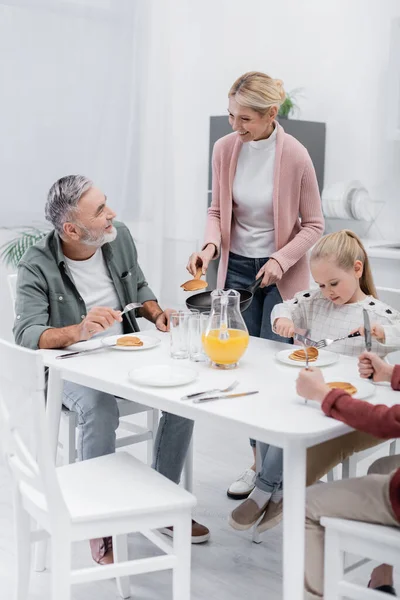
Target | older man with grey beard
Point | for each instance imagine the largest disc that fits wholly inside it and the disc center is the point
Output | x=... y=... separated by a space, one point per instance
x=72 y=286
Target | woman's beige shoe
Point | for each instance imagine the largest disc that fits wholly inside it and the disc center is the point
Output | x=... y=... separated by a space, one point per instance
x=272 y=516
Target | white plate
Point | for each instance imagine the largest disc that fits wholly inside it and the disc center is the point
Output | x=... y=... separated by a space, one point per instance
x=324 y=358
x=364 y=388
x=162 y=375
x=149 y=341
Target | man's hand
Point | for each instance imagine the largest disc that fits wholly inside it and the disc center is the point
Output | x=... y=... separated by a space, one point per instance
x=311 y=384
x=370 y=364
x=377 y=332
x=99 y=318
x=201 y=259
x=162 y=321
x=271 y=272
x=284 y=327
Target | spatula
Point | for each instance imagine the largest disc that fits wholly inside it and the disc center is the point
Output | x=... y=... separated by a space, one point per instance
x=196 y=283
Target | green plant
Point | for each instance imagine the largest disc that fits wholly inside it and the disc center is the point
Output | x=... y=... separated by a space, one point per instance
x=289 y=105
x=11 y=252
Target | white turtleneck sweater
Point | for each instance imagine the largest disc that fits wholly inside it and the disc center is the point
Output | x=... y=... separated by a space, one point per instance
x=253 y=232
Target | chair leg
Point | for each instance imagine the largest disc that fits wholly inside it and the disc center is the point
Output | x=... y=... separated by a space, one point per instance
x=392 y=448
x=349 y=467
x=23 y=547
x=70 y=450
x=255 y=537
x=334 y=565
x=40 y=556
x=182 y=551
x=120 y=550
x=60 y=567
x=153 y=417
x=67 y=437
x=188 y=468
x=330 y=476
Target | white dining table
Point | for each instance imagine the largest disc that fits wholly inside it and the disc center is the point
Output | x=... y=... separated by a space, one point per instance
x=276 y=415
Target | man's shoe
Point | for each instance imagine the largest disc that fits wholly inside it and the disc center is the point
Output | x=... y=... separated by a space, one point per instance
x=272 y=516
x=243 y=486
x=102 y=550
x=246 y=515
x=200 y=533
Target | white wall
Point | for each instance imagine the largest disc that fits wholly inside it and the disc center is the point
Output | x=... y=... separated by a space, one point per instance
x=336 y=50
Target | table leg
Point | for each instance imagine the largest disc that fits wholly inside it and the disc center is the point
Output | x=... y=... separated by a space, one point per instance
x=53 y=414
x=294 y=479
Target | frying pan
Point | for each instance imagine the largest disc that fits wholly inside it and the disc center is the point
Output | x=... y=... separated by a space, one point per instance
x=202 y=301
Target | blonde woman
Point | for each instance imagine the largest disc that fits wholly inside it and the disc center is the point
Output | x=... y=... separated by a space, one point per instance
x=265 y=212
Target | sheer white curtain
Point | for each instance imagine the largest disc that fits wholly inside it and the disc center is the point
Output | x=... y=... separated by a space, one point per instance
x=85 y=90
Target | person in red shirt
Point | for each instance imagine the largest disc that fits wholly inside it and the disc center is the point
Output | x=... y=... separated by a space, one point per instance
x=374 y=498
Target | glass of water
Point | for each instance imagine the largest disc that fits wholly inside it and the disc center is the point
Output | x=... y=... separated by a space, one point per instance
x=179 y=328
x=197 y=325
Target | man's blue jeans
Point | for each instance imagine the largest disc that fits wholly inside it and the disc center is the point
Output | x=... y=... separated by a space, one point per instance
x=98 y=419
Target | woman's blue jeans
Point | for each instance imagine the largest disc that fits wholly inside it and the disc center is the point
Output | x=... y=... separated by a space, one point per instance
x=242 y=273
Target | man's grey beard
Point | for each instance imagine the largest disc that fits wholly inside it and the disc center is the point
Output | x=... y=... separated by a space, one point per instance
x=90 y=240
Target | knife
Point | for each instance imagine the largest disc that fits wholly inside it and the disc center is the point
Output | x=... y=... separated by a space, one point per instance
x=220 y=396
x=78 y=352
x=367 y=334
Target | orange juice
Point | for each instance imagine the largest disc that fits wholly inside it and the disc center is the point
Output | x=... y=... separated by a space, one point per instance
x=225 y=352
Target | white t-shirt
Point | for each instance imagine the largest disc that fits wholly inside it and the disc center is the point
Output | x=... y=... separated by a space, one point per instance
x=93 y=282
x=253 y=231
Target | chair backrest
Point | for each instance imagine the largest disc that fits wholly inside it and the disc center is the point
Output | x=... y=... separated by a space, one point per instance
x=390 y=296
x=23 y=430
x=12 y=284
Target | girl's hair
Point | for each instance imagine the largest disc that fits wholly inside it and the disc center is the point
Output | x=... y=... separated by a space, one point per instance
x=345 y=247
x=258 y=91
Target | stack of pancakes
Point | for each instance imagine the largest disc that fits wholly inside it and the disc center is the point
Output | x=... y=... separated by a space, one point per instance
x=300 y=355
x=343 y=385
x=129 y=340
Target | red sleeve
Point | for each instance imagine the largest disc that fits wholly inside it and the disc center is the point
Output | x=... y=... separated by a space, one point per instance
x=381 y=421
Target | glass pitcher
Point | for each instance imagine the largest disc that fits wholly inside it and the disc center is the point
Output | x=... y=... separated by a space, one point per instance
x=226 y=336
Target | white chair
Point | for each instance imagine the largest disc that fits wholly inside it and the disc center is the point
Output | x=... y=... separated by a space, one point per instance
x=377 y=542
x=108 y=496
x=68 y=422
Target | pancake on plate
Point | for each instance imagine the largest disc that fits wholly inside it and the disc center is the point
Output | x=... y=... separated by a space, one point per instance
x=343 y=385
x=300 y=355
x=129 y=340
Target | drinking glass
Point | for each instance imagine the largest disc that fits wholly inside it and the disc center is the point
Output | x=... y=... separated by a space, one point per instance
x=197 y=326
x=179 y=329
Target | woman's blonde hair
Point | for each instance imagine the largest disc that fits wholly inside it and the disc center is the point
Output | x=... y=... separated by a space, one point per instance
x=345 y=247
x=258 y=91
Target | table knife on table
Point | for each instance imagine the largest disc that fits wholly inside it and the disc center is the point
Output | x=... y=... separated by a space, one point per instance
x=221 y=396
x=367 y=334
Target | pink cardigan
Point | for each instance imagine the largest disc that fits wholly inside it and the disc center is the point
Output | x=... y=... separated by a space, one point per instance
x=295 y=193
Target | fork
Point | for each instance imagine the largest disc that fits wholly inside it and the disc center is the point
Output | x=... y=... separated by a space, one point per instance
x=131 y=306
x=197 y=394
x=327 y=342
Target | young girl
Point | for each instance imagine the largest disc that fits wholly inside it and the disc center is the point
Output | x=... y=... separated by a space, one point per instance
x=340 y=266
